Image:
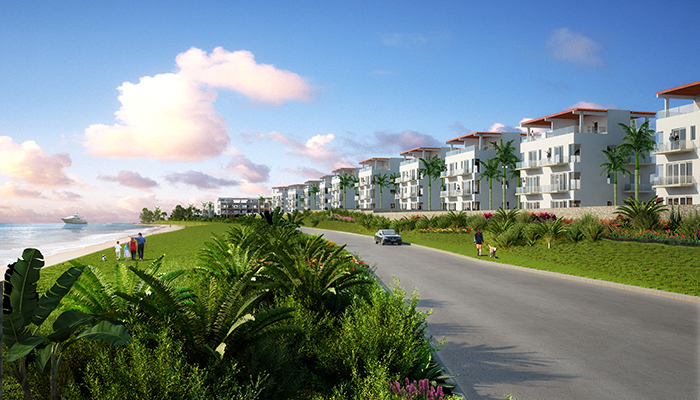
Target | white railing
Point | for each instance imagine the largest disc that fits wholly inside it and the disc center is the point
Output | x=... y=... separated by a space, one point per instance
x=455 y=172
x=676 y=145
x=643 y=187
x=527 y=164
x=462 y=150
x=645 y=157
x=454 y=192
x=556 y=159
x=672 y=112
x=675 y=180
x=527 y=189
x=575 y=158
x=407 y=162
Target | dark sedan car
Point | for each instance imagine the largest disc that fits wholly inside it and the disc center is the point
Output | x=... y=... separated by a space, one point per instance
x=385 y=236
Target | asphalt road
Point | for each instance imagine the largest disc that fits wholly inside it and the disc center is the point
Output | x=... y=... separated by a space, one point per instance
x=544 y=337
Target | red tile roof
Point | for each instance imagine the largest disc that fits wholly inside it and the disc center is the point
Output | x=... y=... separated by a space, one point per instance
x=690 y=89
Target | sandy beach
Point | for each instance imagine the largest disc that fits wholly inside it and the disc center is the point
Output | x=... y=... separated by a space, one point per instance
x=106 y=246
x=69 y=255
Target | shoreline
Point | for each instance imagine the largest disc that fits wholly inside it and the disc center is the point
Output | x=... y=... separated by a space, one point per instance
x=73 y=254
x=62 y=257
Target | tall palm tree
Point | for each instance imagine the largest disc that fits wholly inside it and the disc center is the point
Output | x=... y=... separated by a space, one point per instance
x=346 y=181
x=382 y=180
x=505 y=154
x=638 y=141
x=515 y=174
x=432 y=167
x=313 y=190
x=355 y=180
x=490 y=172
x=616 y=163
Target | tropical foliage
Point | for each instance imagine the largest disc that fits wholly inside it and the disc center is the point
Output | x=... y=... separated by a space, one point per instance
x=431 y=168
x=491 y=173
x=505 y=154
x=637 y=141
x=616 y=163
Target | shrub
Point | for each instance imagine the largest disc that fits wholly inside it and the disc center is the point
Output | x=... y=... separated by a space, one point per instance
x=575 y=232
x=644 y=216
x=593 y=231
x=477 y=221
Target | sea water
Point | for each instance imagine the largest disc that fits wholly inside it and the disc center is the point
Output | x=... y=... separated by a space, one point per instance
x=52 y=239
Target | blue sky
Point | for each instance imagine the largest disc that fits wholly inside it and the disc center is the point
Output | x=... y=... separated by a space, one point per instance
x=109 y=107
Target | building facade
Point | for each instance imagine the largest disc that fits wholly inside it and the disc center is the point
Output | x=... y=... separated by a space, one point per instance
x=676 y=178
x=230 y=207
x=464 y=189
x=370 y=195
x=338 y=193
x=561 y=157
x=414 y=192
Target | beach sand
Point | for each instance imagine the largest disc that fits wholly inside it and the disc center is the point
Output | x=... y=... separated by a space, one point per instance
x=106 y=246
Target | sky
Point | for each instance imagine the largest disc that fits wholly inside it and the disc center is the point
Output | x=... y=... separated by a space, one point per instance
x=110 y=107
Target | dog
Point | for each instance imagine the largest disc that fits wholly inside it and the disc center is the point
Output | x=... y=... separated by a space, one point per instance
x=104 y=257
x=492 y=252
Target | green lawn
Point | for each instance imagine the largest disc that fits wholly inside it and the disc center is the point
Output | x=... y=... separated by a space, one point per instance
x=650 y=265
x=179 y=247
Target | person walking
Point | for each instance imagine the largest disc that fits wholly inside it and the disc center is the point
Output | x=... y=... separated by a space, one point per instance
x=118 y=250
x=127 y=253
x=141 y=243
x=132 y=248
x=478 y=240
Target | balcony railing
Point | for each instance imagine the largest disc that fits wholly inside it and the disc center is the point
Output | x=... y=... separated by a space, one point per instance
x=672 y=112
x=455 y=192
x=554 y=160
x=407 y=162
x=600 y=130
x=644 y=158
x=677 y=146
x=459 y=151
x=676 y=180
x=527 y=190
x=556 y=188
x=643 y=187
x=455 y=172
x=528 y=164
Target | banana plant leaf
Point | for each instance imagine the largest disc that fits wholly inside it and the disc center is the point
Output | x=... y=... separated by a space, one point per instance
x=115 y=334
x=49 y=301
x=68 y=323
x=20 y=287
x=21 y=349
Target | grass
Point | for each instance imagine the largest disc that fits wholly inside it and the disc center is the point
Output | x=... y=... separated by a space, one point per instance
x=179 y=247
x=656 y=266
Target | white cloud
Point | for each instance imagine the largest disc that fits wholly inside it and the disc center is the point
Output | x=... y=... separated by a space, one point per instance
x=31 y=164
x=565 y=45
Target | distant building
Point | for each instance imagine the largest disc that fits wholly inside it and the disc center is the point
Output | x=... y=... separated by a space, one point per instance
x=413 y=190
x=338 y=199
x=368 y=191
x=230 y=207
x=676 y=179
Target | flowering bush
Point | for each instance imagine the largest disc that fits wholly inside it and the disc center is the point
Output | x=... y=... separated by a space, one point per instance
x=488 y=215
x=445 y=230
x=543 y=217
x=416 y=390
x=651 y=235
x=344 y=219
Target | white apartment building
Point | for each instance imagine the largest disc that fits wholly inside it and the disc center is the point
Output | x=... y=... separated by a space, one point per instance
x=324 y=194
x=229 y=207
x=368 y=191
x=309 y=199
x=676 y=179
x=412 y=192
x=560 y=167
x=464 y=189
x=279 y=197
x=295 y=197
x=337 y=196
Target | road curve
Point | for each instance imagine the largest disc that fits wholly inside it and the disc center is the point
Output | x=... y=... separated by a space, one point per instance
x=543 y=337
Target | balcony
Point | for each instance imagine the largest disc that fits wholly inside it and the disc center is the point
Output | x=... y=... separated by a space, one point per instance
x=527 y=190
x=599 y=130
x=455 y=172
x=555 y=161
x=680 y=146
x=408 y=162
x=556 y=188
x=643 y=188
x=673 y=181
x=459 y=151
x=644 y=159
x=672 y=112
x=529 y=164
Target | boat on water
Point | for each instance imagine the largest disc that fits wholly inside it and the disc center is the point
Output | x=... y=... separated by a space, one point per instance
x=74 y=219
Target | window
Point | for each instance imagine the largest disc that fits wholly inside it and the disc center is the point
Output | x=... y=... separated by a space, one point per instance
x=692 y=132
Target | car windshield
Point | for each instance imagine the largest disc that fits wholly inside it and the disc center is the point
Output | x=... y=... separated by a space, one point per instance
x=388 y=232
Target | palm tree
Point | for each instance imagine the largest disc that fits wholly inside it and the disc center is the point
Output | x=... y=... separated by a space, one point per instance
x=505 y=154
x=638 y=141
x=515 y=174
x=550 y=230
x=490 y=172
x=313 y=190
x=382 y=180
x=432 y=167
x=616 y=163
x=346 y=181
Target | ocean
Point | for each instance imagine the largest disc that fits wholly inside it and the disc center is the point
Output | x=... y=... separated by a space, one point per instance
x=52 y=239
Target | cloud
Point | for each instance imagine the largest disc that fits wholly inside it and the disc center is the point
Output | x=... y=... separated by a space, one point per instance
x=247 y=170
x=564 y=45
x=588 y=104
x=136 y=204
x=238 y=71
x=12 y=190
x=254 y=189
x=31 y=164
x=66 y=196
x=130 y=179
x=459 y=128
x=406 y=140
x=171 y=116
x=316 y=149
x=305 y=172
x=199 y=180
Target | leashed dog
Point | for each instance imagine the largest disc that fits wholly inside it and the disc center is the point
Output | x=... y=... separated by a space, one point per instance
x=492 y=252
x=104 y=257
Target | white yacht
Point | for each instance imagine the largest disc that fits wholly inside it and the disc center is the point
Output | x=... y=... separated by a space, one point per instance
x=74 y=219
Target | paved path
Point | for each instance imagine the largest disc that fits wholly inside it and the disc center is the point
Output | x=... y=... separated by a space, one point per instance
x=544 y=337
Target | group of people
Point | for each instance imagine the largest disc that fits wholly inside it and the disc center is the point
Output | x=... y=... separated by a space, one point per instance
x=137 y=244
x=674 y=139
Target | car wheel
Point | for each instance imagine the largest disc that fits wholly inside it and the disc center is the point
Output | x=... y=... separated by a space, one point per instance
x=400 y=243
x=383 y=243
